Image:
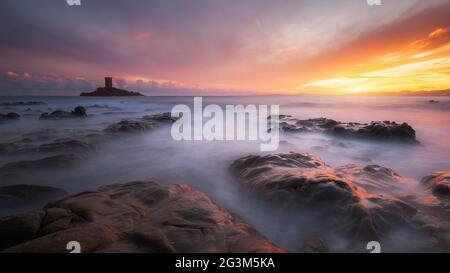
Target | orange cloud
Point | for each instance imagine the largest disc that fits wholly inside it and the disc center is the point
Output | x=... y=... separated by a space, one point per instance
x=435 y=38
x=438 y=32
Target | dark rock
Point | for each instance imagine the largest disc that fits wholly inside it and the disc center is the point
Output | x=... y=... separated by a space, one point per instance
x=16 y=148
x=110 y=91
x=78 y=112
x=439 y=183
x=22 y=103
x=139 y=125
x=385 y=130
x=66 y=146
x=314 y=245
x=164 y=117
x=58 y=161
x=113 y=92
x=98 y=106
x=345 y=198
x=19 y=228
x=9 y=116
x=134 y=217
x=129 y=126
x=29 y=194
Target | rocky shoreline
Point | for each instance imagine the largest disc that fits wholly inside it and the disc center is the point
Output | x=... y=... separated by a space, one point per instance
x=353 y=203
x=133 y=217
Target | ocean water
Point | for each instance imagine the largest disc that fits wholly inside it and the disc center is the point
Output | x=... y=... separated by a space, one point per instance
x=154 y=155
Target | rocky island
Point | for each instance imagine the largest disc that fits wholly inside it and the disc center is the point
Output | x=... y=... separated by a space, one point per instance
x=110 y=91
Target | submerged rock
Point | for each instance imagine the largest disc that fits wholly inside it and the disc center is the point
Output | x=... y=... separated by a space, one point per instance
x=59 y=145
x=58 y=161
x=164 y=117
x=78 y=112
x=139 y=125
x=385 y=130
x=66 y=146
x=133 y=217
x=439 y=183
x=9 y=116
x=129 y=126
x=348 y=199
x=16 y=148
x=22 y=103
x=19 y=195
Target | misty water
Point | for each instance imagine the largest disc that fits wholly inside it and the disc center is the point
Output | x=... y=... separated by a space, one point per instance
x=153 y=155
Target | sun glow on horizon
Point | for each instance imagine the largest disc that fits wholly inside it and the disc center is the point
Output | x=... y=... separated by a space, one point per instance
x=422 y=65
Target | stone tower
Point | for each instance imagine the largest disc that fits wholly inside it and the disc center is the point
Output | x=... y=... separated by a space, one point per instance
x=108 y=82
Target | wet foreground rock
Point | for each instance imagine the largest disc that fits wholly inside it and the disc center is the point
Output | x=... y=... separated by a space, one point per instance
x=133 y=217
x=385 y=130
x=351 y=202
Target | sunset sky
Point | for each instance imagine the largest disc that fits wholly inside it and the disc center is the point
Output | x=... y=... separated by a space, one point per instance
x=222 y=47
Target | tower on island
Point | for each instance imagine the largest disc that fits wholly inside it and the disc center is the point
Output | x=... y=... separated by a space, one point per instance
x=110 y=91
x=108 y=82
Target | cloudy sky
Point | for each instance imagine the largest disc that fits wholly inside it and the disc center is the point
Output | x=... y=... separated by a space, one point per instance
x=221 y=47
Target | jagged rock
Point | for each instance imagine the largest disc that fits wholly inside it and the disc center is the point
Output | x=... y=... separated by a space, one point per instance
x=9 y=116
x=78 y=112
x=133 y=217
x=373 y=178
x=385 y=130
x=348 y=198
x=439 y=183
